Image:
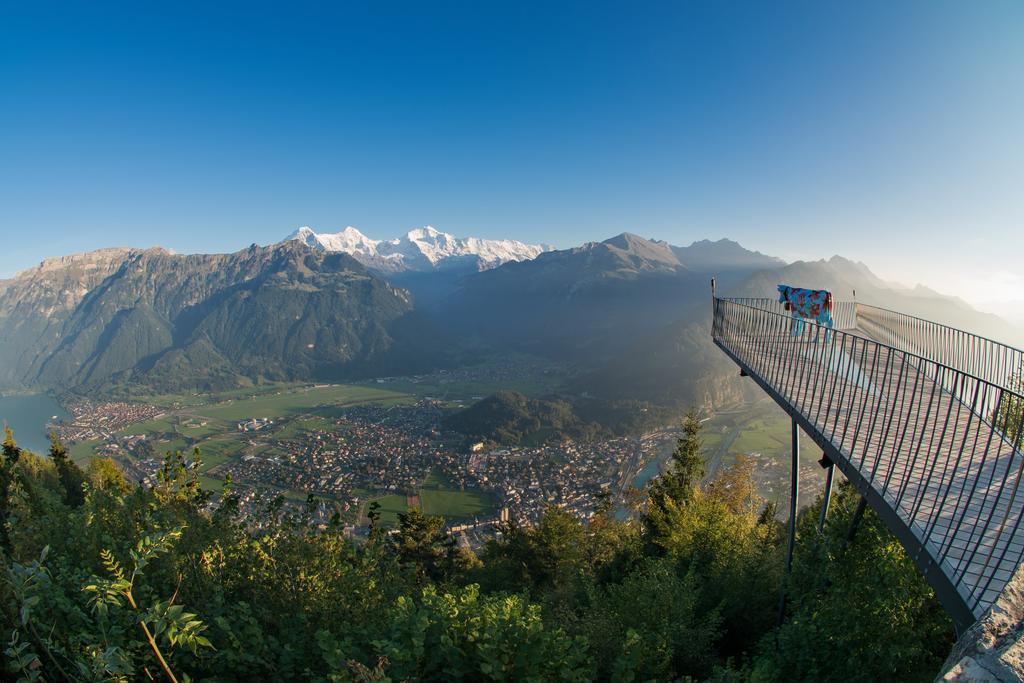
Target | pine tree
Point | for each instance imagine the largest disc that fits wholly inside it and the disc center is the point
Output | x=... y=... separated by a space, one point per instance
x=423 y=546
x=678 y=487
x=71 y=476
x=11 y=454
x=687 y=470
x=10 y=448
x=1009 y=416
x=373 y=516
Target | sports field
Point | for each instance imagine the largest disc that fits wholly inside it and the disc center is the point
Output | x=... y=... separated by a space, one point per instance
x=390 y=507
x=437 y=497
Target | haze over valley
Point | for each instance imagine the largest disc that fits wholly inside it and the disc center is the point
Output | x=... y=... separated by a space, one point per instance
x=612 y=337
x=323 y=307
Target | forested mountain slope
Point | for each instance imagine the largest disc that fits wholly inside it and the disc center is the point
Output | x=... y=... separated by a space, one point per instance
x=199 y=321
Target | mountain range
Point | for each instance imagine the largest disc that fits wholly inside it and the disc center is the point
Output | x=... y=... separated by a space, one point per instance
x=627 y=318
x=149 y=318
x=420 y=250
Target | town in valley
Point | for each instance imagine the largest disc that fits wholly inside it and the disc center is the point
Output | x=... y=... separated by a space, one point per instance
x=343 y=448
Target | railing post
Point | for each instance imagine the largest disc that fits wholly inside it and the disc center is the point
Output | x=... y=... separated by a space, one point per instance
x=830 y=471
x=714 y=310
x=794 y=490
x=854 y=307
x=858 y=515
x=794 y=501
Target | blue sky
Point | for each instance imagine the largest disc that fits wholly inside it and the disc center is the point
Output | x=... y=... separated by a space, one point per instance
x=889 y=132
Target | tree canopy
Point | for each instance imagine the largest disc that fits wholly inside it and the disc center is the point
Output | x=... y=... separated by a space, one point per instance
x=106 y=580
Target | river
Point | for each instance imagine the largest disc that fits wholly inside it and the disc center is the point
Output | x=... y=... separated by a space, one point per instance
x=28 y=415
x=650 y=471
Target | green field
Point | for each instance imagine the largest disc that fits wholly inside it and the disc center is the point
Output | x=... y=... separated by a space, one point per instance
x=219 y=438
x=760 y=428
x=288 y=403
x=302 y=425
x=161 y=447
x=82 y=453
x=300 y=408
x=439 y=497
x=455 y=504
x=711 y=440
x=466 y=389
x=167 y=423
x=211 y=428
x=390 y=507
x=210 y=483
x=270 y=401
x=218 y=451
x=173 y=401
x=528 y=376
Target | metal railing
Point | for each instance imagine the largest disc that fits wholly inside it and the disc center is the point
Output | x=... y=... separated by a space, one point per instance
x=844 y=313
x=932 y=445
x=979 y=356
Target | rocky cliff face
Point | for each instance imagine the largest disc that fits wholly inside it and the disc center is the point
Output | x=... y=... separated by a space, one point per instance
x=166 y=321
x=992 y=651
x=36 y=303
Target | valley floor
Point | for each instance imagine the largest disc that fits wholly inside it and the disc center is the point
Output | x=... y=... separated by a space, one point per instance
x=380 y=442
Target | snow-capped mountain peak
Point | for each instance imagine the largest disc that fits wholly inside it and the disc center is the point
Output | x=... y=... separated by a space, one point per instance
x=347 y=240
x=426 y=232
x=304 y=234
x=420 y=249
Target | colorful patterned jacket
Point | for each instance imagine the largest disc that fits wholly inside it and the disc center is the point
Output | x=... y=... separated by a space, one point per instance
x=812 y=304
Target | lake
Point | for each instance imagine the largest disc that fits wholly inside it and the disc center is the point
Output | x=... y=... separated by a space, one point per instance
x=28 y=415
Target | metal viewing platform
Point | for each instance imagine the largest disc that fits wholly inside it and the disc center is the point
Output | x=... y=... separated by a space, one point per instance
x=923 y=419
